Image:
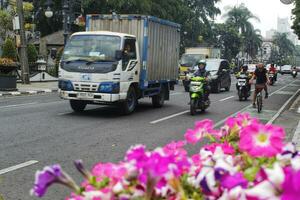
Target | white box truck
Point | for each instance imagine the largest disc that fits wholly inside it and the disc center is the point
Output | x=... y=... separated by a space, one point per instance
x=118 y=60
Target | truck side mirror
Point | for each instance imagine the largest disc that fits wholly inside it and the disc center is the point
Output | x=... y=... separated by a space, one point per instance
x=119 y=54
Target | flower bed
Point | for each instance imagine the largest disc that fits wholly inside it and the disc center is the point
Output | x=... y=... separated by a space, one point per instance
x=8 y=79
x=243 y=160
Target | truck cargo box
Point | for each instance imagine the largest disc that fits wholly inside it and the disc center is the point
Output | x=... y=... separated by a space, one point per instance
x=158 y=42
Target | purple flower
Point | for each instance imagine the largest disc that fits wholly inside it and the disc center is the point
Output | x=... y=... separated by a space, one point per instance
x=45 y=178
x=48 y=176
x=231 y=181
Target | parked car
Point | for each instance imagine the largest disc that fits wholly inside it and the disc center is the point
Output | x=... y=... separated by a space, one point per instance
x=286 y=69
x=220 y=74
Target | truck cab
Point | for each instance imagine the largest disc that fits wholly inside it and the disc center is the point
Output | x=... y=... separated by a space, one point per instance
x=98 y=67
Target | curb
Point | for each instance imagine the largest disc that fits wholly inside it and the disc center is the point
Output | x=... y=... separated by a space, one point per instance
x=29 y=92
x=296 y=136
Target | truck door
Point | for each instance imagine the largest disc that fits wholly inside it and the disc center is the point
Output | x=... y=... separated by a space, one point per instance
x=130 y=61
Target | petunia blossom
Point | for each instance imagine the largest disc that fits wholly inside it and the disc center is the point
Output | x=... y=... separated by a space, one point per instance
x=260 y=140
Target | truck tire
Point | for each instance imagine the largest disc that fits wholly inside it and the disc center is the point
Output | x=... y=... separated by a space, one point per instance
x=159 y=100
x=77 y=105
x=130 y=103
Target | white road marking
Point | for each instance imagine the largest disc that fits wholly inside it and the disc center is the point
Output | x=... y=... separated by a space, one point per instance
x=18 y=105
x=15 y=93
x=169 y=117
x=19 y=166
x=226 y=98
x=66 y=113
x=47 y=90
x=282 y=108
x=176 y=93
x=32 y=92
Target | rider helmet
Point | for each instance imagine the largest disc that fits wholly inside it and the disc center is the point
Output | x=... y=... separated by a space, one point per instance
x=245 y=68
x=203 y=62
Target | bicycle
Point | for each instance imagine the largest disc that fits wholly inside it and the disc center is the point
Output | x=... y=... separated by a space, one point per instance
x=259 y=99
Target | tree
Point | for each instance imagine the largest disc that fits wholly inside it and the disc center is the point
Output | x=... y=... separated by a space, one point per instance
x=240 y=18
x=9 y=50
x=228 y=40
x=32 y=53
x=253 y=42
x=6 y=25
x=286 y=47
x=296 y=17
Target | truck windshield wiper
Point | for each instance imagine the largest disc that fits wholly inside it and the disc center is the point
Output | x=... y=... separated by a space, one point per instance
x=98 y=60
x=79 y=59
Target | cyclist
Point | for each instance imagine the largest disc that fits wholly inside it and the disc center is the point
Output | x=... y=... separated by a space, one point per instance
x=262 y=79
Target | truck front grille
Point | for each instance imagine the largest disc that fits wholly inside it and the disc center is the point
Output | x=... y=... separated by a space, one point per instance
x=86 y=87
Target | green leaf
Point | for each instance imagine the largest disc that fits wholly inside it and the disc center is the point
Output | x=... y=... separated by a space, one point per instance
x=251 y=172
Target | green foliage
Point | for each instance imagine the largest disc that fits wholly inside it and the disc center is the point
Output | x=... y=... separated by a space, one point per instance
x=296 y=17
x=5 y=23
x=32 y=53
x=9 y=50
x=286 y=48
x=229 y=40
x=193 y=15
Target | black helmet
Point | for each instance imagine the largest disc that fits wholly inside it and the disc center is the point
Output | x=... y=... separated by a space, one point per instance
x=245 y=67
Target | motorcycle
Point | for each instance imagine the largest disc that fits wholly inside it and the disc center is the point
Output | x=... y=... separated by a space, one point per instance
x=242 y=87
x=294 y=73
x=271 y=78
x=197 y=95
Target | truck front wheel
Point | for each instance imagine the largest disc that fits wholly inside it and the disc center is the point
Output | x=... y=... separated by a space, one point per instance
x=130 y=103
x=77 y=105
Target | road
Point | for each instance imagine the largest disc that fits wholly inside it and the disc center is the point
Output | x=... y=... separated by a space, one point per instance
x=42 y=130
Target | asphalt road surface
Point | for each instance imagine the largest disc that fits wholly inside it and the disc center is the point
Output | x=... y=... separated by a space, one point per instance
x=36 y=131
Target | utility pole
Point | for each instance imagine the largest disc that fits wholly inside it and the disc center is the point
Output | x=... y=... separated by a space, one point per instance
x=66 y=20
x=23 y=56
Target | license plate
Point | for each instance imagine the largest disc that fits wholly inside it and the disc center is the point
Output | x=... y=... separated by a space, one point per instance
x=86 y=77
x=85 y=95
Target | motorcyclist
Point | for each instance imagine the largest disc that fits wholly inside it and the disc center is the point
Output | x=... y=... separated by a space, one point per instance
x=262 y=79
x=244 y=71
x=273 y=70
x=201 y=72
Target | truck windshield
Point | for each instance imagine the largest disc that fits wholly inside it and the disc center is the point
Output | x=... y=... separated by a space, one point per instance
x=190 y=59
x=212 y=65
x=92 y=48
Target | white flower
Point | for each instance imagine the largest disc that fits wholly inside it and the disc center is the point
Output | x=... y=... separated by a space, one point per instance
x=264 y=190
x=275 y=175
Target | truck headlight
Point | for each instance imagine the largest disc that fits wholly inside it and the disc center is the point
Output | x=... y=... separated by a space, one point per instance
x=109 y=87
x=213 y=77
x=65 y=85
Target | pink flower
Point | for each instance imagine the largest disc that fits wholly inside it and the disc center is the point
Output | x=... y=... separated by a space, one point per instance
x=291 y=184
x=226 y=147
x=240 y=121
x=201 y=128
x=260 y=140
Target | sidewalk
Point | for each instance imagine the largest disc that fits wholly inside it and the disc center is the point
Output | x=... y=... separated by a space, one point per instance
x=33 y=88
x=290 y=121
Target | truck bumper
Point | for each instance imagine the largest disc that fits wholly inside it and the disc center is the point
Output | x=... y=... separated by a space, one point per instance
x=92 y=97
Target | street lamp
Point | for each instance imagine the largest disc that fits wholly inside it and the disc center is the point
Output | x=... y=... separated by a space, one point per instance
x=48 y=12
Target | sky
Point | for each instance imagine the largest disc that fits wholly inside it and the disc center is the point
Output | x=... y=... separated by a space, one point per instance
x=266 y=10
